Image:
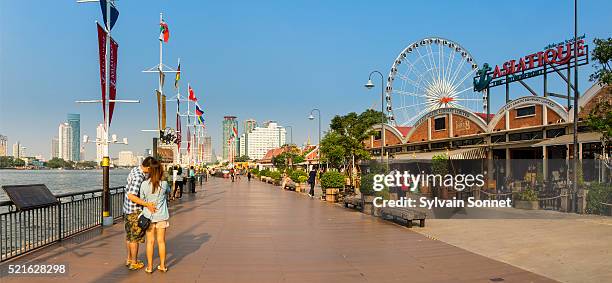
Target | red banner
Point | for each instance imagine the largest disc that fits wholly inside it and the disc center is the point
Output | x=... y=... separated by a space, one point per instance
x=102 y=55
x=113 y=78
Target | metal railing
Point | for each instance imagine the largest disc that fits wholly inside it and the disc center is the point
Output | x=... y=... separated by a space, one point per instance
x=25 y=231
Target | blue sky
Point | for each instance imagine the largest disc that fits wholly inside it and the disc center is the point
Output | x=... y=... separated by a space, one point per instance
x=267 y=60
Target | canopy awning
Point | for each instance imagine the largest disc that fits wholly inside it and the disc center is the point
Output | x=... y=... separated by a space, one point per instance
x=569 y=139
x=461 y=153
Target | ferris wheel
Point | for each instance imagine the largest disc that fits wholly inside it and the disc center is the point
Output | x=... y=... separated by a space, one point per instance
x=429 y=74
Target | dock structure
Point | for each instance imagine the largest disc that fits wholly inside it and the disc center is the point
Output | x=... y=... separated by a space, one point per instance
x=254 y=232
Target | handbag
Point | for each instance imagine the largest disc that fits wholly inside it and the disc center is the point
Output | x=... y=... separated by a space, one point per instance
x=143 y=222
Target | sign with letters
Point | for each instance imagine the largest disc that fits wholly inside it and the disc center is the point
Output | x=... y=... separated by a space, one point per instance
x=555 y=57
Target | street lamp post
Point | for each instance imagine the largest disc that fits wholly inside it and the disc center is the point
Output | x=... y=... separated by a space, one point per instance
x=107 y=219
x=576 y=97
x=311 y=117
x=370 y=85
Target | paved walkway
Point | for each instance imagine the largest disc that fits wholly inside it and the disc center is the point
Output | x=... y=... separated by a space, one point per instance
x=575 y=249
x=254 y=232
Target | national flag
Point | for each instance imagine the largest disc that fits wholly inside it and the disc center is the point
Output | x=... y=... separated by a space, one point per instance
x=192 y=96
x=178 y=76
x=164 y=32
x=201 y=120
x=198 y=111
x=114 y=13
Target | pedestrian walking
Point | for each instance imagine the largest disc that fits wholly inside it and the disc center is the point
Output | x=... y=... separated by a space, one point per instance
x=312 y=176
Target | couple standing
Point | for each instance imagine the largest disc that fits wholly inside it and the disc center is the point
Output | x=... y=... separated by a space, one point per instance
x=146 y=196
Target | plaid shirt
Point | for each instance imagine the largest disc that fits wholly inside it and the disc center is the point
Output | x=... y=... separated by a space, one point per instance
x=134 y=180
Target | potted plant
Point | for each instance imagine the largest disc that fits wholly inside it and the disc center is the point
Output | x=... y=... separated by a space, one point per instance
x=526 y=199
x=332 y=182
x=366 y=188
x=276 y=177
x=295 y=177
x=439 y=166
x=302 y=181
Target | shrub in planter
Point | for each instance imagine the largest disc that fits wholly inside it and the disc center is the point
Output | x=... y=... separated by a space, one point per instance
x=275 y=175
x=332 y=180
x=366 y=186
x=599 y=193
x=302 y=179
x=255 y=172
x=295 y=175
x=526 y=199
x=526 y=195
x=265 y=173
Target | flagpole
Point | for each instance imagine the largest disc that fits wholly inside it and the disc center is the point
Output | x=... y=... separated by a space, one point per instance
x=161 y=74
x=178 y=114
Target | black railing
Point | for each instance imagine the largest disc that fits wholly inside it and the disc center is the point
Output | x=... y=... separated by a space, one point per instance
x=25 y=231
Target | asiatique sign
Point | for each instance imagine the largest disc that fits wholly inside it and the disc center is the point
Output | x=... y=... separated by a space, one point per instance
x=555 y=57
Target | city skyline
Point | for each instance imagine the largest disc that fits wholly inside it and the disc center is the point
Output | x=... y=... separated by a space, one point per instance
x=323 y=64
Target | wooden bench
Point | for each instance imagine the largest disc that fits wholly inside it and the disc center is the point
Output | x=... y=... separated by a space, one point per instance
x=404 y=213
x=354 y=201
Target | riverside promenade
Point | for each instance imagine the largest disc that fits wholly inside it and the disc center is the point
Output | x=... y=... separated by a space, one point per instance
x=255 y=232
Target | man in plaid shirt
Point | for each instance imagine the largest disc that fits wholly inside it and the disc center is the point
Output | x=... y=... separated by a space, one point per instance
x=132 y=206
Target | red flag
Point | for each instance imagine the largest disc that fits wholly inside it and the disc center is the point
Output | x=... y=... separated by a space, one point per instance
x=113 y=78
x=192 y=96
x=164 y=32
x=102 y=56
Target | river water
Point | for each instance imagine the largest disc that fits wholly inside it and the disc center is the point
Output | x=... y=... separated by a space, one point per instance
x=61 y=181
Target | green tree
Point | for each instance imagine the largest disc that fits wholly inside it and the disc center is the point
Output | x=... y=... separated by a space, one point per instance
x=343 y=144
x=56 y=163
x=600 y=117
x=288 y=158
x=602 y=54
x=6 y=162
x=243 y=158
x=18 y=162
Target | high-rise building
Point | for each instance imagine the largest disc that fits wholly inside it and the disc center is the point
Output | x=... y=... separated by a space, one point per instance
x=261 y=139
x=207 y=154
x=55 y=147
x=126 y=158
x=3 y=145
x=249 y=125
x=16 y=147
x=99 y=148
x=82 y=152
x=230 y=134
x=65 y=141
x=74 y=120
x=242 y=144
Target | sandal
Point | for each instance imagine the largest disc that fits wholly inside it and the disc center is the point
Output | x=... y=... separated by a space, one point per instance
x=162 y=269
x=128 y=262
x=147 y=270
x=137 y=265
